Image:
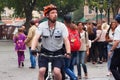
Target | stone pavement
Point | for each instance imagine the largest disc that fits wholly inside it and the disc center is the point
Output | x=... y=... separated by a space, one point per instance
x=10 y=71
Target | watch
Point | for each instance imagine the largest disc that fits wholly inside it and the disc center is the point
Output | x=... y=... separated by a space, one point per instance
x=68 y=54
x=111 y=50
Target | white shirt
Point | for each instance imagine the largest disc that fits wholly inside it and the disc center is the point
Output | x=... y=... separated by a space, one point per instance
x=52 y=39
x=111 y=33
x=15 y=31
x=101 y=34
x=117 y=35
x=84 y=41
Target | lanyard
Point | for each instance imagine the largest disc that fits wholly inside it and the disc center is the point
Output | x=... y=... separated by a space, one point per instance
x=51 y=33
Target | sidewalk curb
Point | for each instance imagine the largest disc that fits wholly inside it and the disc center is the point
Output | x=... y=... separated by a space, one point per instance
x=2 y=40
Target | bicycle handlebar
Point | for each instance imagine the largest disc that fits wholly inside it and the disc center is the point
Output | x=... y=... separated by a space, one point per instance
x=34 y=52
x=51 y=56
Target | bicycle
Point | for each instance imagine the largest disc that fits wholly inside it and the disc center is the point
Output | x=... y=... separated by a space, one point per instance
x=50 y=75
x=49 y=71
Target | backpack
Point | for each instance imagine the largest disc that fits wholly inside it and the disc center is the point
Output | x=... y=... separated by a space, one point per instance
x=74 y=38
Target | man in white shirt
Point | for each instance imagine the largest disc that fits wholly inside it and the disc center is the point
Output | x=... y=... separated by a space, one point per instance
x=115 y=61
x=53 y=34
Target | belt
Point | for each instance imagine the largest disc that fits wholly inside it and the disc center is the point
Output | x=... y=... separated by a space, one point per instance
x=45 y=51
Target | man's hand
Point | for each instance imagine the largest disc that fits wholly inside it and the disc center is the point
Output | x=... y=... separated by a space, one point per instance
x=34 y=52
x=109 y=54
x=68 y=55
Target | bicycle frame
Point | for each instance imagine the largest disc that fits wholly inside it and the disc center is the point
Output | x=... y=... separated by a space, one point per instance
x=50 y=74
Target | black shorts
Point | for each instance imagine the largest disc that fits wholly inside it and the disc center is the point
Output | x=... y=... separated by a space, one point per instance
x=56 y=62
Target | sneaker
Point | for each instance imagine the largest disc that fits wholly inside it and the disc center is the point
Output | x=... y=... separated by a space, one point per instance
x=109 y=73
x=66 y=77
x=93 y=62
x=100 y=62
x=79 y=77
x=32 y=67
x=22 y=64
x=86 y=76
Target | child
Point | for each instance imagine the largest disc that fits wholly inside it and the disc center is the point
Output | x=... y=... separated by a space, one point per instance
x=20 y=46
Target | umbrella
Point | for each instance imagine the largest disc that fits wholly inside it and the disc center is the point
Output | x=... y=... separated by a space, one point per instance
x=83 y=19
x=2 y=23
x=98 y=16
x=18 y=23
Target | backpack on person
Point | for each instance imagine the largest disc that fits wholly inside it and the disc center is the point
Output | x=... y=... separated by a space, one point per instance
x=74 y=38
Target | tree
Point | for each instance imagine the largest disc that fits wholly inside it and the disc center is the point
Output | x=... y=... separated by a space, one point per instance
x=113 y=4
x=2 y=5
x=24 y=8
x=96 y=3
x=70 y=6
x=79 y=13
x=64 y=6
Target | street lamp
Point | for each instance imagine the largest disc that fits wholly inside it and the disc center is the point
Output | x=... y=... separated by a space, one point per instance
x=109 y=4
x=101 y=8
x=96 y=10
x=60 y=9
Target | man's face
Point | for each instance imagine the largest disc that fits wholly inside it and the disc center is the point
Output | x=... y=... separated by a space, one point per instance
x=80 y=26
x=23 y=27
x=52 y=16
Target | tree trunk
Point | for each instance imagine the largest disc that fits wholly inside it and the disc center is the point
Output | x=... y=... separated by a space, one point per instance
x=28 y=8
x=115 y=11
x=115 y=7
x=0 y=16
x=28 y=14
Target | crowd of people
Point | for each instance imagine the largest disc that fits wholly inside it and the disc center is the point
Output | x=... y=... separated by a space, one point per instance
x=98 y=43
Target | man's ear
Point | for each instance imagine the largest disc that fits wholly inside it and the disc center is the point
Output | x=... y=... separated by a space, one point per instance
x=47 y=15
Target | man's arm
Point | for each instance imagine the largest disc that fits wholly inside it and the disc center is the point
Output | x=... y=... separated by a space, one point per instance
x=116 y=42
x=67 y=45
x=35 y=41
x=15 y=32
x=29 y=36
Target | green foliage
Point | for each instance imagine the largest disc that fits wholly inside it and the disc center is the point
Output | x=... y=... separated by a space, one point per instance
x=64 y=6
x=2 y=5
x=20 y=6
x=78 y=14
x=114 y=5
x=96 y=3
x=24 y=8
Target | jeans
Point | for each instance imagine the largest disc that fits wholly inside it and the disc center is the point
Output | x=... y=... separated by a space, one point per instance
x=81 y=55
x=68 y=71
x=109 y=59
x=73 y=60
x=32 y=59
